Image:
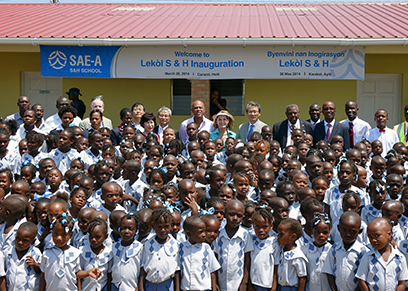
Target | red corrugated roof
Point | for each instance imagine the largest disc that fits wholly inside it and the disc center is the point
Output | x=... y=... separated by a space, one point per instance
x=269 y=20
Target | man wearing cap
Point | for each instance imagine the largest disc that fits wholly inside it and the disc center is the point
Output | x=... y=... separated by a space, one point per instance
x=77 y=103
x=54 y=120
x=96 y=104
x=23 y=104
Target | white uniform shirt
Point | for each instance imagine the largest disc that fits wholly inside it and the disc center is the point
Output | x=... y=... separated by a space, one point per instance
x=387 y=138
x=305 y=239
x=63 y=160
x=316 y=256
x=343 y=264
x=360 y=128
x=126 y=265
x=362 y=237
x=403 y=222
x=160 y=261
x=89 y=158
x=9 y=159
x=27 y=158
x=264 y=257
x=369 y=212
x=205 y=125
x=197 y=262
x=21 y=276
x=90 y=260
x=54 y=121
x=7 y=240
x=381 y=275
x=231 y=255
x=79 y=239
x=95 y=200
x=60 y=268
x=292 y=266
x=397 y=234
x=220 y=158
x=104 y=209
x=136 y=191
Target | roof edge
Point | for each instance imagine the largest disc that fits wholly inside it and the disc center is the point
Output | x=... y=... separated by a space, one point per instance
x=204 y=41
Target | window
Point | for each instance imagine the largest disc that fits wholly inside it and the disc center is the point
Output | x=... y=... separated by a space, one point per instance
x=233 y=92
x=181 y=101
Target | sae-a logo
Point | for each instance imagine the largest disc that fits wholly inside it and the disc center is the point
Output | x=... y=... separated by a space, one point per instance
x=57 y=60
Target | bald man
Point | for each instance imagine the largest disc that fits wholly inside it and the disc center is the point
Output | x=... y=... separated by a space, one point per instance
x=54 y=120
x=203 y=123
x=23 y=104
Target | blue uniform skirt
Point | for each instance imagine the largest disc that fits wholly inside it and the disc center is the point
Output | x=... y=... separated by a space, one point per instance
x=167 y=285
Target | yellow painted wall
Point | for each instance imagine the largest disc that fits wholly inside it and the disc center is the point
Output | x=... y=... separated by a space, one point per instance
x=273 y=95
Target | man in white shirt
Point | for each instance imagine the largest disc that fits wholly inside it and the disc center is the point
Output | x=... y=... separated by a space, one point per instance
x=23 y=104
x=96 y=104
x=356 y=126
x=253 y=110
x=314 y=113
x=385 y=135
x=54 y=120
x=203 y=123
x=40 y=123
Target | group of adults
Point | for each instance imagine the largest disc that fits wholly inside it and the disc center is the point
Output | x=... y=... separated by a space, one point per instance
x=352 y=130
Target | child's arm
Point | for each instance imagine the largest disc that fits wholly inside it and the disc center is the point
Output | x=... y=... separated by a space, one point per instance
x=401 y=286
x=191 y=203
x=214 y=286
x=364 y=287
x=275 y=278
x=301 y=283
x=30 y=262
x=142 y=278
x=332 y=282
x=244 y=282
x=3 y=286
x=177 y=281
x=94 y=273
x=130 y=198
x=42 y=282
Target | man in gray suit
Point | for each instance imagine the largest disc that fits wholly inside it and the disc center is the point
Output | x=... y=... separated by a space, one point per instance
x=253 y=110
x=96 y=104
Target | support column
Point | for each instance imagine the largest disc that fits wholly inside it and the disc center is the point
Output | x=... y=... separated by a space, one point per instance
x=200 y=90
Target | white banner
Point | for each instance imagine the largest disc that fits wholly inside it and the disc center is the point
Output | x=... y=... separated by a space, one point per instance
x=257 y=62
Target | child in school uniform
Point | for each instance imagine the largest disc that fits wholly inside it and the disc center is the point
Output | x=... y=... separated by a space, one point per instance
x=23 y=260
x=233 y=247
x=316 y=253
x=309 y=208
x=81 y=227
x=161 y=257
x=280 y=207
x=127 y=255
x=60 y=265
x=110 y=197
x=292 y=269
x=377 y=192
x=197 y=261
x=404 y=217
x=344 y=258
x=94 y=254
x=392 y=210
x=132 y=186
x=188 y=196
x=212 y=225
x=384 y=267
x=11 y=211
x=41 y=210
x=263 y=275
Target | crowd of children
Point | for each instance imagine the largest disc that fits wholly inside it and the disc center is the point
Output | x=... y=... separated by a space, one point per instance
x=86 y=214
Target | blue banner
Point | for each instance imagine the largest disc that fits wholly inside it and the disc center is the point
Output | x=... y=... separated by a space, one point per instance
x=75 y=61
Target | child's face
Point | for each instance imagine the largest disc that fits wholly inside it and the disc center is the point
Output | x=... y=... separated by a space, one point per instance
x=212 y=227
x=321 y=233
x=394 y=185
x=168 y=136
x=24 y=239
x=300 y=181
x=76 y=165
x=275 y=147
x=247 y=220
x=219 y=144
x=203 y=138
x=188 y=172
x=45 y=167
x=192 y=131
x=265 y=182
x=156 y=180
x=229 y=145
x=27 y=175
x=234 y=215
x=33 y=145
x=217 y=180
x=22 y=147
x=379 y=236
x=378 y=168
x=103 y=174
x=4 y=141
x=349 y=230
x=210 y=150
x=59 y=236
x=285 y=237
x=226 y=194
x=172 y=150
x=170 y=163
x=54 y=210
x=171 y=195
x=320 y=188
x=377 y=148
x=83 y=222
x=64 y=141
x=327 y=171
x=308 y=139
x=219 y=211
x=289 y=193
x=346 y=175
x=267 y=133
x=108 y=154
x=148 y=168
x=162 y=228
x=189 y=191
x=330 y=157
x=128 y=230
x=54 y=178
x=176 y=223
x=362 y=179
x=97 y=236
x=154 y=154
x=297 y=137
x=364 y=158
x=314 y=210
x=261 y=149
x=128 y=133
x=303 y=148
x=338 y=150
x=262 y=227
x=79 y=199
x=391 y=213
x=110 y=195
x=42 y=213
x=198 y=233
x=241 y=185
x=281 y=212
x=199 y=157
x=125 y=147
x=350 y=205
x=87 y=184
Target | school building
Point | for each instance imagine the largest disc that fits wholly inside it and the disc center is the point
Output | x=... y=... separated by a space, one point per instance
x=170 y=54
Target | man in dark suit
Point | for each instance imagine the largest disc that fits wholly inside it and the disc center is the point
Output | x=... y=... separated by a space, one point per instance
x=314 y=113
x=330 y=127
x=164 y=116
x=282 y=129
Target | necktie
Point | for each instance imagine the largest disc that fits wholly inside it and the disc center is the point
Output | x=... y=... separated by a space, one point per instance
x=328 y=133
x=292 y=126
x=351 y=134
x=382 y=130
x=251 y=129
